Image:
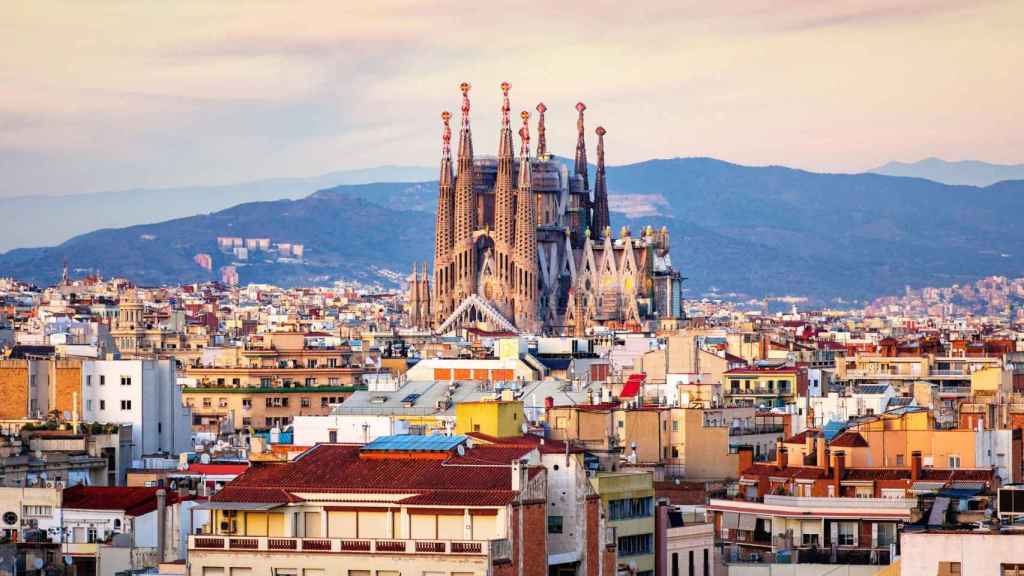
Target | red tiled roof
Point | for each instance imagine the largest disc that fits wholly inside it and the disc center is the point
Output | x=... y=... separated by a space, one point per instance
x=800 y=438
x=849 y=439
x=134 y=501
x=338 y=468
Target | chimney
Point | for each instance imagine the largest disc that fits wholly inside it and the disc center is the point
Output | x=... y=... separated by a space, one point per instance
x=840 y=470
x=519 y=471
x=161 y=522
x=821 y=452
x=549 y=403
x=778 y=453
x=782 y=457
x=746 y=460
x=915 y=465
x=809 y=442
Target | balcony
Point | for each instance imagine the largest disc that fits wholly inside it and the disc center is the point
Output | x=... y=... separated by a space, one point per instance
x=855 y=503
x=841 y=556
x=498 y=550
x=750 y=430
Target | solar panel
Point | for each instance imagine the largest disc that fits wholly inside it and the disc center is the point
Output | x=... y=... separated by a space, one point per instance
x=832 y=429
x=414 y=443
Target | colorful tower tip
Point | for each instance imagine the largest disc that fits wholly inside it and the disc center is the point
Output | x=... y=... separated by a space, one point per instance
x=601 y=131
x=580 y=107
x=542 y=108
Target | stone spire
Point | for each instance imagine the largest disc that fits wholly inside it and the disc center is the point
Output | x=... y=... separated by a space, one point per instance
x=504 y=208
x=443 y=229
x=464 y=252
x=581 y=147
x=542 y=140
x=526 y=237
x=600 y=188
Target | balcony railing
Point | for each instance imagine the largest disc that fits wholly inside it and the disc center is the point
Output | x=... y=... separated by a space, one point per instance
x=856 y=557
x=350 y=545
x=825 y=502
x=765 y=429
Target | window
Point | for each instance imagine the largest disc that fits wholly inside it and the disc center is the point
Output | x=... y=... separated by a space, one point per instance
x=554 y=524
x=91 y=538
x=675 y=564
x=222 y=402
x=949 y=569
x=1011 y=570
x=265 y=382
x=103 y=380
x=37 y=511
x=88 y=380
x=332 y=436
x=954 y=461
x=847 y=533
x=246 y=421
x=334 y=381
x=207 y=403
x=126 y=404
x=310 y=381
x=236 y=381
x=88 y=404
x=159 y=427
x=635 y=545
x=691 y=565
x=809 y=539
x=246 y=403
x=304 y=402
x=630 y=508
x=126 y=380
x=899 y=460
x=103 y=404
x=886 y=534
x=621 y=423
x=323 y=401
x=675 y=425
x=311 y=363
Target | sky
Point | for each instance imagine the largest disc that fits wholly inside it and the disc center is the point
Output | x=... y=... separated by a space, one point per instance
x=101 y=96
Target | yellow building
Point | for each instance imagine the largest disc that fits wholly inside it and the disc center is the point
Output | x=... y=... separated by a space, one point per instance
x=627 y=499
x=764 y=386
x=498 y=418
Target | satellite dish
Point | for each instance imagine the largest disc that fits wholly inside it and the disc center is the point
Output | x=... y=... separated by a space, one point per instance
x=461 y=450
x=68 y=560
x=38 y=563
x=67 y=415
x=524 y=427
x=204 y=458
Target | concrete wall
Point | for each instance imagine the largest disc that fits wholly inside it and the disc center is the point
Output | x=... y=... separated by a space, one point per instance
x=978 y=553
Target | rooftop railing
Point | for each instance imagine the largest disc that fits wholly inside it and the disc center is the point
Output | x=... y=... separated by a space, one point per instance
x=494 y=548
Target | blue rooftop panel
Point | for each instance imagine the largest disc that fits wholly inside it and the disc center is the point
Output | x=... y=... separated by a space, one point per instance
x=412 y=443
x=833 y=429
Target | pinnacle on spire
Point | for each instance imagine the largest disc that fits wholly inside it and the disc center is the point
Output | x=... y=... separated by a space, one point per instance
x=446 y=134
x=601 y=215
x=524 y=135
x=581 y=147
x=465 y=134
x=504 y=104
x=542 y=141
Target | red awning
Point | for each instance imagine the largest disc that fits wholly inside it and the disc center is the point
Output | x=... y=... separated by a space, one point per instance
x=632 y=387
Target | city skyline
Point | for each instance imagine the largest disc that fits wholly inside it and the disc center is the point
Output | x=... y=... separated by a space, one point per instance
x=108 y=96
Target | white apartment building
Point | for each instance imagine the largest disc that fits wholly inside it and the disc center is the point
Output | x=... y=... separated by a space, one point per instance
x=143 y=393
x=345 y=428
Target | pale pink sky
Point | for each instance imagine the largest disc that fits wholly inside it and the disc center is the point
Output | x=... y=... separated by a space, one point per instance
x=110 y=95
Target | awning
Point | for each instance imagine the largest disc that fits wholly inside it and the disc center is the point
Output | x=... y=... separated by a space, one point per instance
x=748 y=522
x=632 y=385
x=730 y=520
x=564 y=558
x=923 y=487
x=237 y=506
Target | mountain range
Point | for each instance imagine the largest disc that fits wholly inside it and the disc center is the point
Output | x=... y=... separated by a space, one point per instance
x=755 y=231
x=49 y=220
x=969 y=172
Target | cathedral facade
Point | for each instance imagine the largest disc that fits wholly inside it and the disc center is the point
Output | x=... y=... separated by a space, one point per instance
x=524 y=246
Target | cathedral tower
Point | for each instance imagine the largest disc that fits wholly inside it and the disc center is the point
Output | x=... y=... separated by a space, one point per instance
x=526 y=291
x=463 y=249
x=542 y=139
x=504 y=212
x=443 y=236
x=600 y=222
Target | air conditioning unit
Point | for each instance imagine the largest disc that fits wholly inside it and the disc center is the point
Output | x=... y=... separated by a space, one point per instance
x=228 y=526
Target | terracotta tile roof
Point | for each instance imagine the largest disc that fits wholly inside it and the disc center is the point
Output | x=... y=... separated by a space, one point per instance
x=795 y=472
x=339 y=468
x=134 y=501
x=800 y=438
x=217 y=469
x=849 y=439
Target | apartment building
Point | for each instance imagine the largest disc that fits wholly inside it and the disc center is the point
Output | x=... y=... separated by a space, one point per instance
x=400 y=504
x=627 y=500
x=33 y=388
x=140 y=393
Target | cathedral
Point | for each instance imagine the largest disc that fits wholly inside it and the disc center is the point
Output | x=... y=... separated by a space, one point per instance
x=524 y=246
